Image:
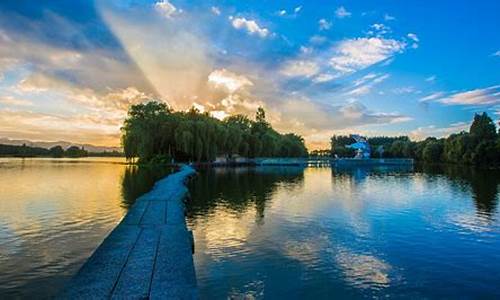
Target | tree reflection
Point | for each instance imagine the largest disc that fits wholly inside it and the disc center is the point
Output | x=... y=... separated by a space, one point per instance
x=483 y=184
x=237 y=188
x=360 y=173
x=138 y=180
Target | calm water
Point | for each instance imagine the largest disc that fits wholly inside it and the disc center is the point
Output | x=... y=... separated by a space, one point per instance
x=320 y=233
x=54 y=213
x=266 y=232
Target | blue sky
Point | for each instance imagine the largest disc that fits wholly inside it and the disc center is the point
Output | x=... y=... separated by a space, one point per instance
x=70 y=69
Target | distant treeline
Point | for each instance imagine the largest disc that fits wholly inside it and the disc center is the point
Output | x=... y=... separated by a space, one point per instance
x=56 y=151
x=479 y=146
x=154 y=132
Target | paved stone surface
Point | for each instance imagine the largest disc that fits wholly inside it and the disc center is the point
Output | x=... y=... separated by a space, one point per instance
x=148 y=255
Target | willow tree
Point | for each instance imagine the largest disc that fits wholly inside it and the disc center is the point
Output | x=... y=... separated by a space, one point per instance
x=153 y=132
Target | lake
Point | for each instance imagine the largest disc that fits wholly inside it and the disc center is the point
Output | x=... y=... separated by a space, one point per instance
x=319 y=233
x=266 y=232
x=55 y=212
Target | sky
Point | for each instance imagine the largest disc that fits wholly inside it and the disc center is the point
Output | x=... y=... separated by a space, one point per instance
x=69 y=70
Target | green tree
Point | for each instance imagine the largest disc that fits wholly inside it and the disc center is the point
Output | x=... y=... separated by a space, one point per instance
x=483 y=127
x=56 y=151
x=433 y=151
x=153 y=132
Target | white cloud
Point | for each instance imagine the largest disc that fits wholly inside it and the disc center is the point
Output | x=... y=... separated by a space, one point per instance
x=12 y=101
x=432 y=96
x=431 y=78
x=317 y=39
x=381 y=78
x=423 y=132
x=295 y=68
x=489 y=96
x=364 y=79
x=165 y=8
x=496 y=53
x=306 y=50
x=388 y=17
x=250 y=26
x=323 y=77
x=219 y=114
x=341 y=12
x=486 y=96
x=359 y=91
x=405 y=90
x=379 y=30
x=324 y=24
x=228 y=80
x=413 y=37
x=199 y=107
x=215 y=10
x=415 y=40
x=291 y=14
x=307 y=117
x=355 y=54
x=365 y=84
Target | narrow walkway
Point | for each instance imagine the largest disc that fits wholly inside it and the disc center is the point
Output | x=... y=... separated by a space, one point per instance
x=148 y=255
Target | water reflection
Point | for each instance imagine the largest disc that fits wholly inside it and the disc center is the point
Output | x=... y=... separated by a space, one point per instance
x=55 y=212
x=483 y=184
x=138 y=180
x=237 y=188
x=52 y=216
x=354 y=233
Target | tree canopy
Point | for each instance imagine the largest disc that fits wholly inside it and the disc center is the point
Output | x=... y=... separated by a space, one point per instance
x=479 y=146
x=152 y=131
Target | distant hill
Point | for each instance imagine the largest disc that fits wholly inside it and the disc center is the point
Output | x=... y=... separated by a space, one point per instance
x=47 y=145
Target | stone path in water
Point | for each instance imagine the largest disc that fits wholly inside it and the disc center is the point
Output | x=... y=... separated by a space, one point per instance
x=148 y=255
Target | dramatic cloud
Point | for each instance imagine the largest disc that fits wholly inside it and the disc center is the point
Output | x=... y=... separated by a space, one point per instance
x=76 y=128
x=341 y=12
x=355 y=54
x=54 y=89
x=250 y=26
x=98 y=69
x=175 y=59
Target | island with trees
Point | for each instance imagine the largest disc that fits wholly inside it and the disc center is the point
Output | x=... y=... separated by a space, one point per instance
x=153 y=132
x=55 y=152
